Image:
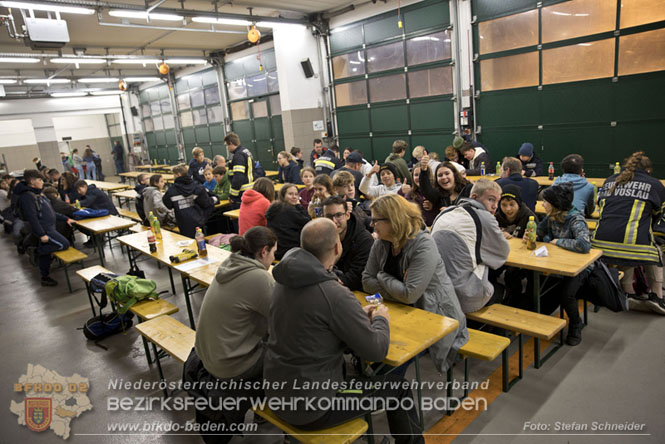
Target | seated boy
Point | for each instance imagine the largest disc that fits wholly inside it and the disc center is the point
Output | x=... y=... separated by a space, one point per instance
x=36 y=210
x=94 y=198
x=61 y=207
x=210 y=182
x=142 y=181
x=511 y=174
x=532 y=165
x=356 y=242
x=344 y=185
x=573 y=168
x=190 y=201
x=223 y=186
x=476 y=157
x=468 y=256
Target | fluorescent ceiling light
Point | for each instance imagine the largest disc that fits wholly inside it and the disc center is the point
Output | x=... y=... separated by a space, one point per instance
x=186 y=61
x=78 y=61
x=43 y=7
x=7 y=81
x=98 y=80
x=269 y=24
x=141 y=79
x=221 y=21
x=16 y=92
x=109 y=92
x=137 y=61
x=46 y=81
x=69 y=94
x=18 y=60
x=144 y=15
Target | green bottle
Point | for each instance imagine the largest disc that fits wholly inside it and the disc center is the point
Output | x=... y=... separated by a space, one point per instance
x=531 y=234
x=498 y=169
x=617 y=168
x=77 y=204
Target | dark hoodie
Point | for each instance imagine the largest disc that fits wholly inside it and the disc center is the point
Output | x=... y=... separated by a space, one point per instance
x=191 y=202
x=313 y=320
x=139 y=200
x=35 y=208
x=517 y=227
x=290 y=173
x=355 y=250
x=98 y=200
x=196 y=170
x=287 y=222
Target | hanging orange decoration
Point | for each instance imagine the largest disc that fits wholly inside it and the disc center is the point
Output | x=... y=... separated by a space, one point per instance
x=164 y=69
x=122 y=85
x=253 y=35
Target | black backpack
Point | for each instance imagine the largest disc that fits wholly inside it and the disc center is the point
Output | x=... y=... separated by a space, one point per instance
x=105 y=325
x=603 y=288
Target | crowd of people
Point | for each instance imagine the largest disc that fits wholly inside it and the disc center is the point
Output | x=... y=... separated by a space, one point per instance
x=418 y=233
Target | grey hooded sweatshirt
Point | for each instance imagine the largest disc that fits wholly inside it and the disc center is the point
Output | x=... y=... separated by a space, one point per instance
x=426 y=286
x=313 y=320
x=234 y=317
x=152 y=201
x=468 y=256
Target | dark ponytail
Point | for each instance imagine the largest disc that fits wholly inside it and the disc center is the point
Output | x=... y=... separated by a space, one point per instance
x=253 y=241
x=637 y=161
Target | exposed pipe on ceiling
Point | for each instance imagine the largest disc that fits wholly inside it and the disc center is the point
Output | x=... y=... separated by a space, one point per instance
x=166 y=28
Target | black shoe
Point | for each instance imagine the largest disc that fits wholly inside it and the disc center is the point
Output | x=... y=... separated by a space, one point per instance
x=49 y=282
x=89 y=244
x=656 y=304
x=574 y=333
x=638 y=302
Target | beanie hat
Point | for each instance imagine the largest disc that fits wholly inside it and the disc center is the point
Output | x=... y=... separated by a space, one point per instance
x=526 y=149
x=560 y=196
x=457 y=142
x=512 y=192
x=390 y=167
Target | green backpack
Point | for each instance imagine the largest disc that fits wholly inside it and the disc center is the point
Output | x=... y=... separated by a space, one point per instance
x=127 y=290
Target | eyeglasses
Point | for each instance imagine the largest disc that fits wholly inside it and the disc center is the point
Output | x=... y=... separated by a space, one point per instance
x=374 y=220
x=334 y=216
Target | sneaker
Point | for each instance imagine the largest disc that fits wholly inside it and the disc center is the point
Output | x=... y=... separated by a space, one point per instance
x=49 y=282
x=638 y=302
x=656 y=304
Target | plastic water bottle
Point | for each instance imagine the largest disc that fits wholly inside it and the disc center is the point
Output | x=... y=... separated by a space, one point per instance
x=617 y=168
x=531 y=234
x=201 y=242
x=482 y=168
x=550 y=171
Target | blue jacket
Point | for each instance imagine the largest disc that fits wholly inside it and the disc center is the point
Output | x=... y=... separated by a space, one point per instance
x=36 y=210
x=191 y=203
x=290 y=174
x=584 y=192
x=528 y=186
x=98 y=200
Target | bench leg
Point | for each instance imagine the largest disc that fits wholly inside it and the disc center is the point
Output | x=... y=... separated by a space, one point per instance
x=159 y=368
x=420 y=394
x=466 y=378
x=69 y=285
x=145 y=345
x=506 y=383
x=370 y=429
x=586 y=312
x=449 y=389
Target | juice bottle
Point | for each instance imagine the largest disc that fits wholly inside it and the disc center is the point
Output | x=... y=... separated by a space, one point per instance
x=531 y=234
x=77 y=204
x=617 y=168
x=498 y=169
x=201 y=242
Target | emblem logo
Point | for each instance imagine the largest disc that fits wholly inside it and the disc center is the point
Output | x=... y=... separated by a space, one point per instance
x=38 y=413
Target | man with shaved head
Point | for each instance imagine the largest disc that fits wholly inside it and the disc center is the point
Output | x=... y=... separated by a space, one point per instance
x=313 y=320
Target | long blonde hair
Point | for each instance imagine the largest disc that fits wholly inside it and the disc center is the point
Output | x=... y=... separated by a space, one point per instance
x=636 y=161
x=404 y=217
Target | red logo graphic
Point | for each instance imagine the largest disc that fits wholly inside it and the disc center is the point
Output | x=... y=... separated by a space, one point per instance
x=38 y=413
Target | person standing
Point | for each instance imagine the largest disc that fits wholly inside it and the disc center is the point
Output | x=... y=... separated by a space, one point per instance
x=241 y=170
x=78 y=163
x=119 y=158
x=90 y=167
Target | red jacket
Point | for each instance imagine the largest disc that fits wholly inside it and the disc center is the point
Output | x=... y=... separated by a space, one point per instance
x=252 y=211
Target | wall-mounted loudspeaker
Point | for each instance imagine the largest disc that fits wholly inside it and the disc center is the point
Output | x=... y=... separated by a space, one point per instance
x=135 y=111
x=307 y=68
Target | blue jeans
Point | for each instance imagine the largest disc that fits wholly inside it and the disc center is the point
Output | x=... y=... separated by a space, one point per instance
x=90 y=171
x=119 y=166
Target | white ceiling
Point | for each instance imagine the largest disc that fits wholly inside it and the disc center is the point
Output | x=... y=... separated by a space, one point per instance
x=85 y=31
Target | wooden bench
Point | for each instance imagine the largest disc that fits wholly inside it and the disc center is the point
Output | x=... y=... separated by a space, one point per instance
x=520 y=321
x=341 y=434
x=67 y=257
x=173 y=337
x=486 y=347
x=133 y=215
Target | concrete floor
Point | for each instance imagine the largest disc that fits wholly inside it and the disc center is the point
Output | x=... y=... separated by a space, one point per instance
x=615 y=375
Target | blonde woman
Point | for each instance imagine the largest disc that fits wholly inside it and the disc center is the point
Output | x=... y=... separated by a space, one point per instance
x=404 y=265
x=289 y=171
